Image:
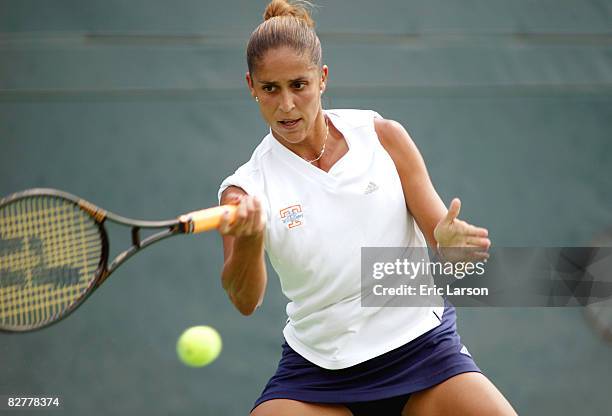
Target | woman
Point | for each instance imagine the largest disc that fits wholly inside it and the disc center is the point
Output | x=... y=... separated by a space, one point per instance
x=320 y=186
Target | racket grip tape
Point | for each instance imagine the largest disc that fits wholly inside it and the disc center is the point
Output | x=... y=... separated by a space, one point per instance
x=206 y=219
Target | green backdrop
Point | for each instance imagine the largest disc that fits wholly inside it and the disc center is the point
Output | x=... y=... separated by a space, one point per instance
x=141 y=107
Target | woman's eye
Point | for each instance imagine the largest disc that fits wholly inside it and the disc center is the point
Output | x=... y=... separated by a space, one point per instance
x=268 y=88
x=299 y=85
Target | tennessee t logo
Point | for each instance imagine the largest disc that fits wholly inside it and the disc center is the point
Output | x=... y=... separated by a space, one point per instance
x=292 y=216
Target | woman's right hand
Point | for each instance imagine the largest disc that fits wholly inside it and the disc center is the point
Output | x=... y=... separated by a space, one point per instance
x=250 y=220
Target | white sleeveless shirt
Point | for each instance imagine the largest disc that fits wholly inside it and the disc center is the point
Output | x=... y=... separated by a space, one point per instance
x=317 y=222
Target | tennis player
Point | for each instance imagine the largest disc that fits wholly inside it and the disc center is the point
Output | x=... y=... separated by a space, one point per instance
x=319 y=186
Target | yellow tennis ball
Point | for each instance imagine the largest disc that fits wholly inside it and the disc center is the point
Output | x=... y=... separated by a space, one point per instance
x=198 y=346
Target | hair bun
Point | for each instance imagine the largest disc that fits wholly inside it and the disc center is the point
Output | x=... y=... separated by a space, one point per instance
x=299 y=9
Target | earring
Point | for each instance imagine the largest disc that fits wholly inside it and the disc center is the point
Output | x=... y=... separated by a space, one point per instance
x=257 y=98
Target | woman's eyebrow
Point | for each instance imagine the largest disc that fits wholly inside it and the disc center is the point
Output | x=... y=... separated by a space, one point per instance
x=300 y=78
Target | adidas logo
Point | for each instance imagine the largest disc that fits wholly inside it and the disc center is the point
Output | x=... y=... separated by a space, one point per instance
x=371 y=188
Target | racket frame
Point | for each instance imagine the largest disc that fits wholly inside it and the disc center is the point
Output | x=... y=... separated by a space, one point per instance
x=170 y=228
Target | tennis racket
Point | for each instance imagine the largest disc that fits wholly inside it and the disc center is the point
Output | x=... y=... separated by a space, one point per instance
x=54 y=252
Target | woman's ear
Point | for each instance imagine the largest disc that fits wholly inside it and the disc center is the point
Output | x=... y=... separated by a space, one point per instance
x=249 y=82
x=324 y=75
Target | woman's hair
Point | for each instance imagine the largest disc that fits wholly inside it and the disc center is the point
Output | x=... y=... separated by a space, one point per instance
x=286 y=24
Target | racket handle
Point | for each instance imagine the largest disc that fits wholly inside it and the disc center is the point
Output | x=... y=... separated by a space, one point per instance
x=206 y=219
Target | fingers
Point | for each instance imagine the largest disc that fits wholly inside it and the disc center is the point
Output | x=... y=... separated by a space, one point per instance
x=253 y=218
x=474 y=249
x=249 y=219
x=470 y=256
x=481 y=256
x=475 y=257
x=462 y=226
x=234 y=199
x=453 y=210
x=469 y=230
x=477 y=231
x=226 y=220
x=224 y=223
x=241 y=223
x=485 y=243
x=466 y=241
x=464 y=254
x=259 y=220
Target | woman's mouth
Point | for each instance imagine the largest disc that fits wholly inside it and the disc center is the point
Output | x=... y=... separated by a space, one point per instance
x=289 y=123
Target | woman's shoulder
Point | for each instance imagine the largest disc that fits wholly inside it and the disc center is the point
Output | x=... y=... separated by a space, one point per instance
x=252 y=167
x=353 y=117
x=260 y=153
x=248 y=176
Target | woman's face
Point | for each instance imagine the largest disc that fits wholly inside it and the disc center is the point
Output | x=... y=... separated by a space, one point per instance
x=288 y=87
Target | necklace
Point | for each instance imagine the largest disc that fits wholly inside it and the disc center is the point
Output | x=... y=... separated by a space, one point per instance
x=324 y=143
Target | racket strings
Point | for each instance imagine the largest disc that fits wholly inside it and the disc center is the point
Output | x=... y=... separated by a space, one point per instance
x=49 y=253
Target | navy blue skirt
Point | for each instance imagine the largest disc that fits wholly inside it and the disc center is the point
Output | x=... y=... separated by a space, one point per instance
x=383 y=381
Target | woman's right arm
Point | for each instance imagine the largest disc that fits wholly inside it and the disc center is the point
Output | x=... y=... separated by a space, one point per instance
x=244 y=275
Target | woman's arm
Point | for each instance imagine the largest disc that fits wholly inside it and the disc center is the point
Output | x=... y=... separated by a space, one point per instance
x=244 y=275
x=440 y=226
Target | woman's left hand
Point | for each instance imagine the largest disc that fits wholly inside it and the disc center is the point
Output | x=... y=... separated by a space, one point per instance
x=471 y=242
